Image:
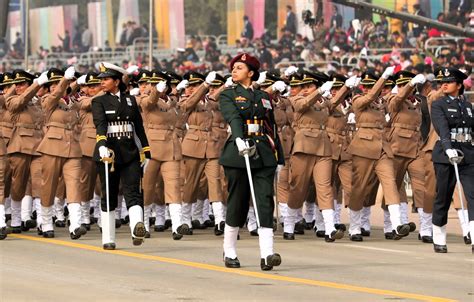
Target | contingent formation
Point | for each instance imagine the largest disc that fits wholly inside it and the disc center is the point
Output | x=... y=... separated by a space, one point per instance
x=158 y=151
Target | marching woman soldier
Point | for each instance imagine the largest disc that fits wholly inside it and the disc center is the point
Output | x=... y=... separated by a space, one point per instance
x=160 y=115
x=452 y=119
x=249 y=113
x=61 y=124
x=3 y=164
x=120 y=129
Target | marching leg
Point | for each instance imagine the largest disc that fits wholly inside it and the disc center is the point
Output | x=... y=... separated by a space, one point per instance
x=86 y=215
x=218 y=209
x=75 y=228
x=230 y=246
x=3 y=224
x=160 y=210
x=439 y=239
x=425 y=226
x=387 y=225
x=186 y=216
x=365 y=222
x=137 y=227
x=108 y=230
x=59 y=212
x=16 y=217
x=289 y=221
x=26 y=209
x=252 y=222
x=178 y=228
x=268 y=259
x=47 y=221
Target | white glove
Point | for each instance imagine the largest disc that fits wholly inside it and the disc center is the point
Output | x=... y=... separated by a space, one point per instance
x=42 y=79
x=262 y=77
x=144 y=164
x=388 y=72
x=326 y=87
x=132 y=69
x=69 y=73
x=291 y=70
x=161 y=86
x=418 y=79
x=326 y=94
x=345 y=108
x=183 y=84
x=351 y=82
x=135 y=91
x=81 y=80
x=228 y=82
x=103 y=152
x=211 y=77
x=357 y=82
x=241 y=144
x=387 y=117
x=395 y=90
x=279 y=86
x=451 y=153
x=351 y=118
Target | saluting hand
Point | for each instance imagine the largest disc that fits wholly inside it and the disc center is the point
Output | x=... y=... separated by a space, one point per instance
x=69 y=74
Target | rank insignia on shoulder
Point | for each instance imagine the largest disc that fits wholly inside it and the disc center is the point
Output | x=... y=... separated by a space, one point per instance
x=129 y=102
x=240 y=99
x=469 y=112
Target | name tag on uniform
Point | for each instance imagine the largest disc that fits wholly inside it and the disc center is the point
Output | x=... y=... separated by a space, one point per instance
x=452 y=110
x=110 y=112
x=129 y=102
x=469 y=112
x=266 y=104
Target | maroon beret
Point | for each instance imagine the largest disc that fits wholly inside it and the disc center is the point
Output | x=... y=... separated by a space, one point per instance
x=249 y=60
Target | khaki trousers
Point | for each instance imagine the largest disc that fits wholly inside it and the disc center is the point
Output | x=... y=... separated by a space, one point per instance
x=22 y=167
x=342 y=170
x=416 y=171
x=88 y=178
x=195 y=167
x=170 y=171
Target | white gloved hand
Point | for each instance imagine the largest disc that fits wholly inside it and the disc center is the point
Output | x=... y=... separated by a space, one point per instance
x=103 y=152
x=345 y=106
x=81 y=80
x=132 y=69
x=395 y=90
x=327 y=94
x=388 y=72
x=357 y=82
x=418 y=79
x=351 y=118
x=351 y=82
x=228 y=82
x=42 y=79
x=451 y=153
x=291 y=70
x=182 y=85
x=69 y=73
x=387 y=117
x=144 y=164
x=161 y=86
x=135 y=91
x=241 y=145
x=262 y=77
x=326 y=87
x=211 y=77
x=279 y=86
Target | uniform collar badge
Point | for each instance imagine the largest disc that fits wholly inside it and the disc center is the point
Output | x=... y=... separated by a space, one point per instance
x=240 y=99
x=446 y=73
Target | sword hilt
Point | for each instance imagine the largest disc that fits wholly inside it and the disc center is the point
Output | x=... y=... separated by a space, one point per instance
x=110 y=159
x=457 y=159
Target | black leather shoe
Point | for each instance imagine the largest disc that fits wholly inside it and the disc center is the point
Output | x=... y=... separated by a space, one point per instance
x=184 y=229
x=48 y=234
x=275 y=225
x=118 y=223
x=147 y=234
x=467 y=239
x=309 y=225
x=288 y=236
x=159 y=228
x=78 y=232
x=208 y=223
x=425 y=239
x=39 y=231
x=195 y=224
x=87 y=226
x=337 y=234
x=271 y=261
x=219 y=228
x=8 y=217
x=402 y=231
x=299 y=227
x=356 y=237
x=60 y=223
x=3 y=233
x=109 y=246
x=320 y=234
x=126 y=220
x=151 y=220
x=27 y=225
x=93 y=220
x=254 y=232
x=412 y=226
x=232 y=263
x=389 y=235
x=364 y=232
x=177 y=236
x=340 y=226
x=167 y=223
x=440 y=248
x=16 y=230
x=472 y=249
x=139 y=230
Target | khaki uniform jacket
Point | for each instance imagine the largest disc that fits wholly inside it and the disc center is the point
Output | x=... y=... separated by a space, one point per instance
x=283 y=112
x=61 y=121
x=198 y=142
x=337 y=127
x=27 y=117
x=309 y=124
x=432 y=136
x=370 y=139
x=160 y=117
x=88 y=132
x=405 y=135
x=5 y=116
x=219 y=125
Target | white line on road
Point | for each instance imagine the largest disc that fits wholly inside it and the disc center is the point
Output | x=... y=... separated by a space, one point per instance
x=375 y=248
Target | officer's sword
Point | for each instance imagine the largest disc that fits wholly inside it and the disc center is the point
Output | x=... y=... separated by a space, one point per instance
x=252 y=191
x=455 y=161
x=106 y=161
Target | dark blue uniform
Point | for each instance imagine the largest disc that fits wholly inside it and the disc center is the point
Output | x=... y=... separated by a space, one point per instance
x=453 y=121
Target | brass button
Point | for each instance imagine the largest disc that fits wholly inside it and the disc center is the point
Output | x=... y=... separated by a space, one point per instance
x=118 y=117
x=257 y=141
x=242 y=108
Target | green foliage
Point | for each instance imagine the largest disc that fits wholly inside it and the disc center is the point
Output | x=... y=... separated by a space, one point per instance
x=205 y=17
